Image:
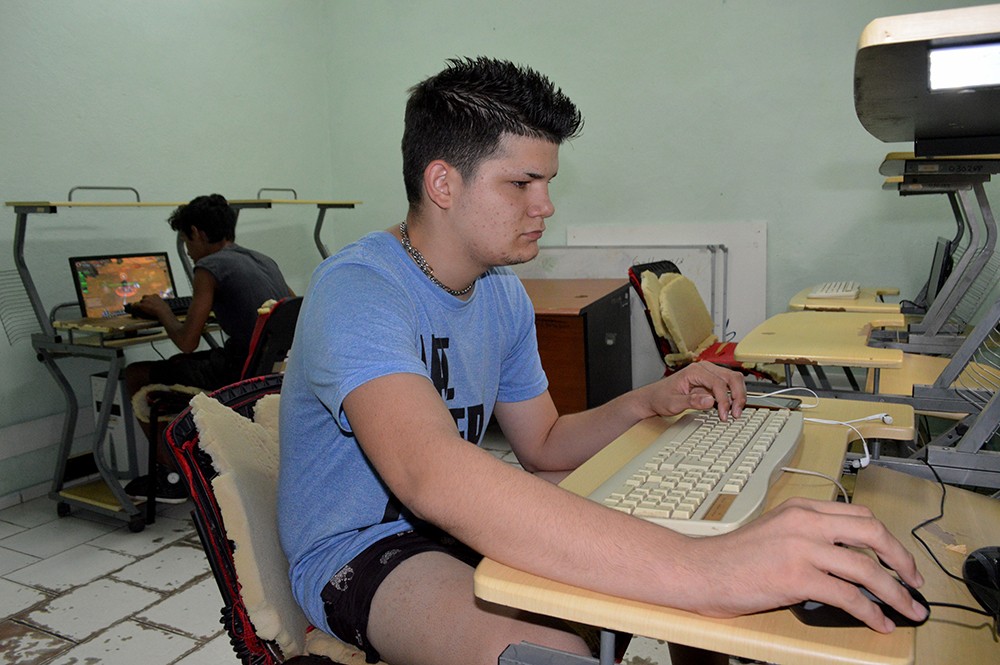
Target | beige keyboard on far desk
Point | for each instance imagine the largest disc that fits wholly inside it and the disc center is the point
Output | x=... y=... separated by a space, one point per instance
x=703 y=476
x=842 y=289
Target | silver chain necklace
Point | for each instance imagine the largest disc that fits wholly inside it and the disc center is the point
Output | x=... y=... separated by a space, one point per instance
x=425 y=267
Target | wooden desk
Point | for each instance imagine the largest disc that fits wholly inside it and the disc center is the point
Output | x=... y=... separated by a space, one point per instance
x=868 y=300
x=113 y=331
x=771 y=636
x=820 y=338
x=970 y=521
x=118 y=332
x=584 y=339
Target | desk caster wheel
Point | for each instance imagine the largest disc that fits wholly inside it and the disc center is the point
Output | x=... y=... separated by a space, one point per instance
x=62 y=509
x=136 y=523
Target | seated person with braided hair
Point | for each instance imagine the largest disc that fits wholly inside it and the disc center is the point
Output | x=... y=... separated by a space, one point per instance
x=230 y=281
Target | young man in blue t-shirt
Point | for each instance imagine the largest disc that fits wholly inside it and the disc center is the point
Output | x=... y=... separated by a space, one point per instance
x=411 y=339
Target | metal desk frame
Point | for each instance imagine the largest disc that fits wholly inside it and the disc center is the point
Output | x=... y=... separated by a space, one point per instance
x=942 y=327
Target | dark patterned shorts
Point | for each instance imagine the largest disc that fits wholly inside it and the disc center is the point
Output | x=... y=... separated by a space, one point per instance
x=347 y=597
x=208 y=369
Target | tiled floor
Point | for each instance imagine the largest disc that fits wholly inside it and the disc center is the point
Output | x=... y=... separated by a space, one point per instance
x=84 y=589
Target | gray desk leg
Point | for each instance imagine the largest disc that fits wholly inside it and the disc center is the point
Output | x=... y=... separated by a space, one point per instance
x=532 y=654
x=851 y=380
x=185 y=259
x=69 y=419
x=607 y=647
x=806 y=376
x=116 y=363
x=821 y=377
x=526 y=653
x=189 y=271
x=324 y=251
x=49 y=352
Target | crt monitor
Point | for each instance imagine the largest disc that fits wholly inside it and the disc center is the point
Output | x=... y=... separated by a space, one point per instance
x=932 y=78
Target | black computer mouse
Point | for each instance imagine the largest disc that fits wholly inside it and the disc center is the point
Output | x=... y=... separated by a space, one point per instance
x=813 y=613
x=981 y=573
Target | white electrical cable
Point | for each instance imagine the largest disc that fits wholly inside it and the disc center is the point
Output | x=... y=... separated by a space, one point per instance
x=857 y=464
x=866 y=460
x=833 y=480
x=783 y=391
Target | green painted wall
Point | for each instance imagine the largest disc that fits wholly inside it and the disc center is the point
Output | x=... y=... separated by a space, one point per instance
x=696 y=111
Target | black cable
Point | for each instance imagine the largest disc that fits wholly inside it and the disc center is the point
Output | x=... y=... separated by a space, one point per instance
x=961 y=607
x=913 y=532
x=923 y=430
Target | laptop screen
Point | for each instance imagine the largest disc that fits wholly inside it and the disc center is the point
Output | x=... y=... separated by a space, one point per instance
x=104 y=284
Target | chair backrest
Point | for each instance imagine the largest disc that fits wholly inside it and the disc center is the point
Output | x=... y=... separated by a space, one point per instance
x=226 y=448
x=685 y=317
x=644 y=288
x=272 y=338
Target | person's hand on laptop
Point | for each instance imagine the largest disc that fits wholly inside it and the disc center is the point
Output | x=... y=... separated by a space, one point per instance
x=151 y=306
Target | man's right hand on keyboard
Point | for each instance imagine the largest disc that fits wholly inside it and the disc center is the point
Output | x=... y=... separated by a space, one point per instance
x=700 y=386
x=149 y=307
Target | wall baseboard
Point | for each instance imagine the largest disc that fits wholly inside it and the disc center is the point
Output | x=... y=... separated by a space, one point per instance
x=24 y=495
x=31 y=436
x=26 y=437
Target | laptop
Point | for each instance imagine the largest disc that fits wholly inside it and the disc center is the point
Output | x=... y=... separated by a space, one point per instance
x=105 y=284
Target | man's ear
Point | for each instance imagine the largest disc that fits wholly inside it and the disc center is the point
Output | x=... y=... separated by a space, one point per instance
x=439 y=180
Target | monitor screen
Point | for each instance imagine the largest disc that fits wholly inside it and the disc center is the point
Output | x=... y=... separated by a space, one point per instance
x=964 y=67
x=941 y=266
x=104 y=284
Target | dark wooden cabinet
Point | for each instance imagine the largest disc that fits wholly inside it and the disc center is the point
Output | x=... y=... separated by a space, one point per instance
x=584 y=339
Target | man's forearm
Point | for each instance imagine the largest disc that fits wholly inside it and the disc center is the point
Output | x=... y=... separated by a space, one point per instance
x=576 y=437
x=180 y=334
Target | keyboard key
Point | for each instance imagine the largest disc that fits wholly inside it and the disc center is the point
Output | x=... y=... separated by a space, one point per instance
x=839 y=289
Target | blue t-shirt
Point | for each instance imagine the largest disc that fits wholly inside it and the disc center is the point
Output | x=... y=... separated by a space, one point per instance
x=370 y=312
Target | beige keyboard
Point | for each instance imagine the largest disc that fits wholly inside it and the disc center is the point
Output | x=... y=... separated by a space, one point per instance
x=702 y=476
x=842 y=289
